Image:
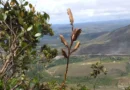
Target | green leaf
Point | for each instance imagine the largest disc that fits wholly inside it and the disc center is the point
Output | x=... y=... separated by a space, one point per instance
x=20 y=20
x=26 y=3
x=1 y=17
x=4 y=16
x=46 y=16
x=38 y=34
x=6 y=12
x=30 y=5
x=30 y=28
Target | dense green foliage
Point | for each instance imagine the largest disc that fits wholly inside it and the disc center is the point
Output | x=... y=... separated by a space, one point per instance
x=20 y=30
x=21 y=27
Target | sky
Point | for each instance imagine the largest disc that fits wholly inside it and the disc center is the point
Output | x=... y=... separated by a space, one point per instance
x=83 y=10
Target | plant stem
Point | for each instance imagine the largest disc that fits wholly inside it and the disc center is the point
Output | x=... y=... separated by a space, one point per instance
x=68 y=58
x=66 y=69
x=67 y=66
x=94 y=86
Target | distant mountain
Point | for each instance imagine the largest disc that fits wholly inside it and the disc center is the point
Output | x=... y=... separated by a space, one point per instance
x=91 y=27
x=115 y=42
x=96 y=37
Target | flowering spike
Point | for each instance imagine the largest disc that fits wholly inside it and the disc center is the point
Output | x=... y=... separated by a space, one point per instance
x=70 y=16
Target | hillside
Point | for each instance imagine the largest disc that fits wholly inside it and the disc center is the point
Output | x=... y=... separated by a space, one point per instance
x=115 y=42
x=91 y=31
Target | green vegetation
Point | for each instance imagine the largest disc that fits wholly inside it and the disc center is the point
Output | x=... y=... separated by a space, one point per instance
x=20 y=31
x=24 y=65
x=62 y=61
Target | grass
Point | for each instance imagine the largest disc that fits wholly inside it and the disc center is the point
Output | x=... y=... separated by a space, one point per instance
x=82 y=68
x=79 y=71
x=62 y=61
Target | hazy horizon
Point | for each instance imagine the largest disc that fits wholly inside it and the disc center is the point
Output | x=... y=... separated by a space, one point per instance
x=91 y=22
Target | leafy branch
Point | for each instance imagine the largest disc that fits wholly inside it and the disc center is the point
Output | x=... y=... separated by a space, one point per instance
x=20 y=31
x=98 y=68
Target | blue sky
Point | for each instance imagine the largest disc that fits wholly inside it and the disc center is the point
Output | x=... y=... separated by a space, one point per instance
x=84 y=10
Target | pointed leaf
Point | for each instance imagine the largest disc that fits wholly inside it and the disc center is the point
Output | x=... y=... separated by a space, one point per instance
x=77 y=45
x=63 y=40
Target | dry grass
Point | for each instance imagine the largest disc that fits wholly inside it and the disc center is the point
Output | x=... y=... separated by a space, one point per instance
x=83 y=68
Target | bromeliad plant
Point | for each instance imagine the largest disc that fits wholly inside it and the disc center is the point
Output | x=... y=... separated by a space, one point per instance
x=69 y=47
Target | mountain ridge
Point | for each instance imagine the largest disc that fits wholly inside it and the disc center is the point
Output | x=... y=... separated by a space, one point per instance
x=118 y=42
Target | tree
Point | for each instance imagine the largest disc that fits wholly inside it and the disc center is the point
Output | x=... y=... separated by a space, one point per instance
x=20 y=31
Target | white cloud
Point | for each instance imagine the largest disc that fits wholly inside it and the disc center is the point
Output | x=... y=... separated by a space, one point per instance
x=87 y=12
x=82 y=9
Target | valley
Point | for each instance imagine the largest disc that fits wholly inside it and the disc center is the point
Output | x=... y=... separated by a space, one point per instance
x=106 y=42
x=109 y=37
x=118 y=68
